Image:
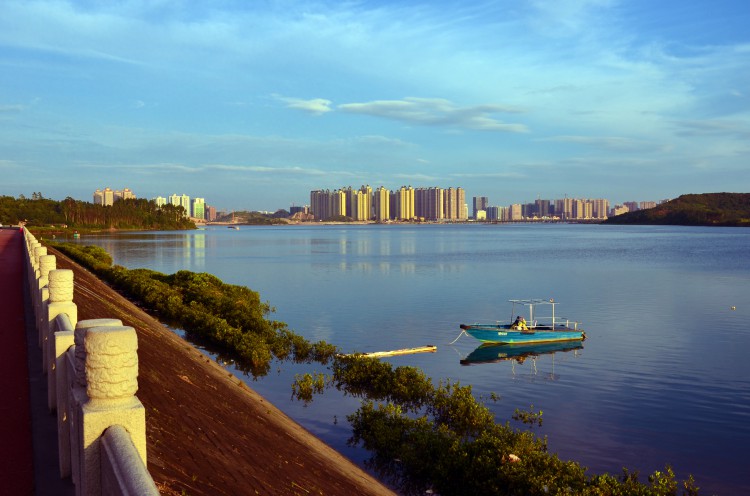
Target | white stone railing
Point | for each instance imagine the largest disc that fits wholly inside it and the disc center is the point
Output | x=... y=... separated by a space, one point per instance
x=92 y=378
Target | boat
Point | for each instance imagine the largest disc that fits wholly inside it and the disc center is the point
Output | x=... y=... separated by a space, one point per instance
x=236 y=228
x=537 y=329
x=493 y=352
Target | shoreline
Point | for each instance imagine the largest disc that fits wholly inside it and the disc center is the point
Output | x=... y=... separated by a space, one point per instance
x=207 y=431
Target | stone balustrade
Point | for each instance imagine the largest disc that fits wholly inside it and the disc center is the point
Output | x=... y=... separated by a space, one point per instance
x=92 y=378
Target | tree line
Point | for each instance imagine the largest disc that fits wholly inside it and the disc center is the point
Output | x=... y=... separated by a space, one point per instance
x=136 y=213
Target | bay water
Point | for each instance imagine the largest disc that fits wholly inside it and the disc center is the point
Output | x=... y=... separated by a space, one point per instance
x=662 y=378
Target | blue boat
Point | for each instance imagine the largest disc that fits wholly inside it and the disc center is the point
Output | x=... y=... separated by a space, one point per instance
x=537 y=329
x=492 y=352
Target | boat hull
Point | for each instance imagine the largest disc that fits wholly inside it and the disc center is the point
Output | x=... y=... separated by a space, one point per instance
x=502 y=334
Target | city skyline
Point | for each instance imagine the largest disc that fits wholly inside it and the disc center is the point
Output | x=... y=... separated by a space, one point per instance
x=406 y=203
x=253 y=104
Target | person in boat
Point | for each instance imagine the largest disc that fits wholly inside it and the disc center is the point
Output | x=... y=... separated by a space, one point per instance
x=519 y=324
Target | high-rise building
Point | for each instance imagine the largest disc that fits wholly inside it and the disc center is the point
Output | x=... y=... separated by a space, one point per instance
x=454 y=206
x=541 y=208
x=463 y=213
x=160 y=201
x=104 y=197
x=320 y=204
x=198 y=208
x=364 y=207
x=479 y=203
x=402 y=204
x=451 y=207
x=338 y=203
x=210 y=213
x=429 y=203
x=516 y=212
x=381 y=204
x=181 y=201
x=564 y=208
x=358 y=203
x=599 y=208
x=125 y=194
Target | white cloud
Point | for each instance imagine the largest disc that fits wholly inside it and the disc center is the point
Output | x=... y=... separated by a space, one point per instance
x=438 y=112
x=315 y=106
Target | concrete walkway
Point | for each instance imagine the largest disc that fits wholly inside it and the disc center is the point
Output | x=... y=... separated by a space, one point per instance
x=28 y=450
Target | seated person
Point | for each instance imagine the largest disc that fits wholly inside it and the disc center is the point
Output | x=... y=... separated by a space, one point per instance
x=519 y=324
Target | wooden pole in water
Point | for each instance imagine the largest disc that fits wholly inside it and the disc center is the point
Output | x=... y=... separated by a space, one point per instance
x=405 y=351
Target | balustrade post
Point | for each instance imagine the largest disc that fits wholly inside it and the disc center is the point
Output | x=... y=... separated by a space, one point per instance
x=47 y=263
x=39 y=252
x=111 y=384
x=31 y=262
x=76 y=389
x=60 y=301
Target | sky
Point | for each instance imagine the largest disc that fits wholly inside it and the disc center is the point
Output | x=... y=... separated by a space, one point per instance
x=253 y=104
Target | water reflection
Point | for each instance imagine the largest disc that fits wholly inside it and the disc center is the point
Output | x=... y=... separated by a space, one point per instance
x=639 y=397
x=493 y=353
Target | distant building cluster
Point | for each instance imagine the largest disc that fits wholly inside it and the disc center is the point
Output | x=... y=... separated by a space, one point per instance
x=382 y=205
x=449 y=204
x=195 y=208
x=562 y=209
x=108 y=197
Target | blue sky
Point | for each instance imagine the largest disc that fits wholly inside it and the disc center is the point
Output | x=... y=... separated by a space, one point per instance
x=252 y=104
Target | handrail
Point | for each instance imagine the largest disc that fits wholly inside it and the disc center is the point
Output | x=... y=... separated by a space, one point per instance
x=123 y=472
x=101 y=425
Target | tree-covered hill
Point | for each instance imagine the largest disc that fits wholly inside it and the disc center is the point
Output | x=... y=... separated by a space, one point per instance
x=138 y=213
x=707 y=209
x=255 y=218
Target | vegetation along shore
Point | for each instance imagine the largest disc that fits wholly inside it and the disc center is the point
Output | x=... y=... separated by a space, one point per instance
x=708 y=209
x=420 y=435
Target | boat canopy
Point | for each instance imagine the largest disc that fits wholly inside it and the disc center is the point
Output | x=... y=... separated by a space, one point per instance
x=531 y=303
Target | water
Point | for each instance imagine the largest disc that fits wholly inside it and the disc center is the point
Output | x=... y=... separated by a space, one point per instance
x=663 y=378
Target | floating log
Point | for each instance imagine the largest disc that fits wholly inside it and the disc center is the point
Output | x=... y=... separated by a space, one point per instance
x=405 y=351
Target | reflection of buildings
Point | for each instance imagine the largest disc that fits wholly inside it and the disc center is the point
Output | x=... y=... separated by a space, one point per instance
x=195 y=249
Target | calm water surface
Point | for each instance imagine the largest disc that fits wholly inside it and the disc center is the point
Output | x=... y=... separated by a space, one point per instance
x=663 y=378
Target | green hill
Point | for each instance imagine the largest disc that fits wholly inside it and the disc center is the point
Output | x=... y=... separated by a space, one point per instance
x=707 y=209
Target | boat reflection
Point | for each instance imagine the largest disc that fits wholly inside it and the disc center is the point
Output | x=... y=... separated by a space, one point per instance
x=491 y=353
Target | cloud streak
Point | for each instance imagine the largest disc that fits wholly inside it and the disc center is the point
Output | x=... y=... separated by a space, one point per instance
x=437 y=112
x=316 y=106
x=618 y=143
